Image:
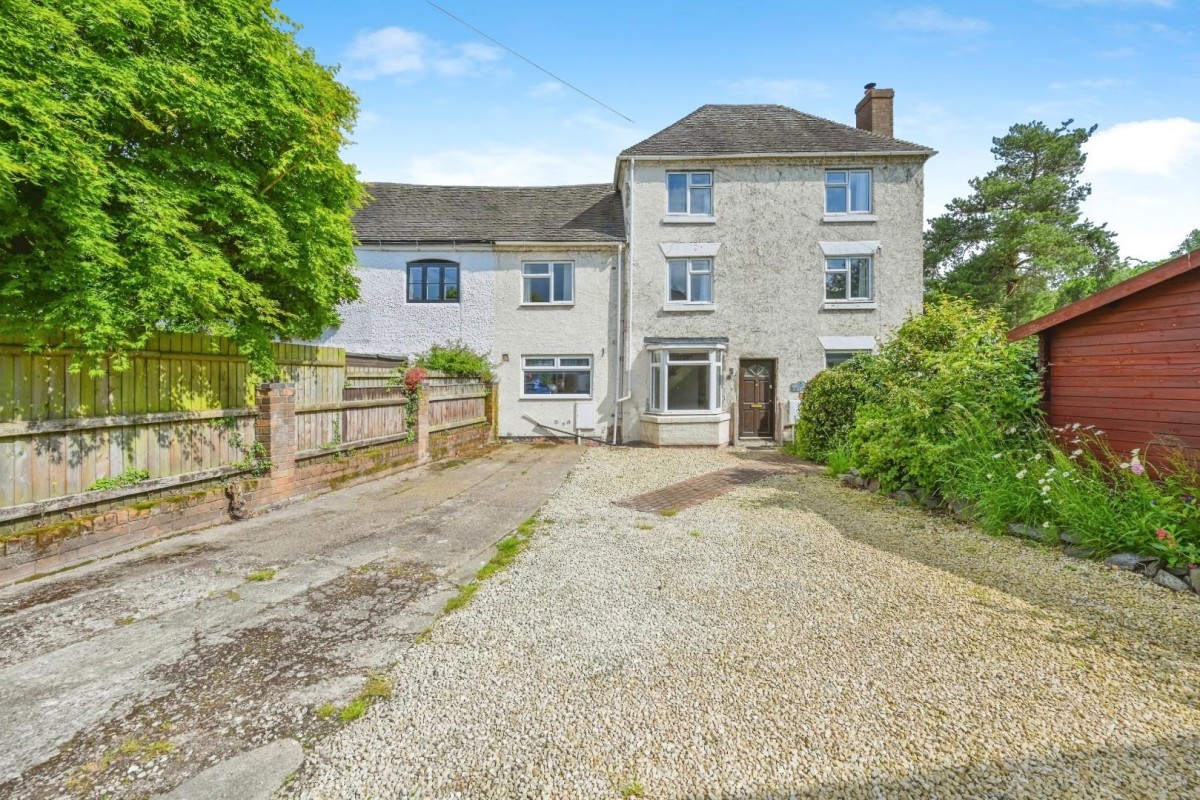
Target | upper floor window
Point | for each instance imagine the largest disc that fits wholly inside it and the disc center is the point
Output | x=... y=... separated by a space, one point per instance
x=848 y=278
x=432 y=281
x=835 y=357
x=548 y=282
x=848 y=191
x=689 y=193
x=690 y=280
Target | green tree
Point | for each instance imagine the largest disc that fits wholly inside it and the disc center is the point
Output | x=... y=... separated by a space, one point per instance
x=1019 y=234
x=169 y=164
x=1191 y=242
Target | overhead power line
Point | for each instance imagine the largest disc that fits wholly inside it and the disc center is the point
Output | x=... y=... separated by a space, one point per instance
x=531 y=63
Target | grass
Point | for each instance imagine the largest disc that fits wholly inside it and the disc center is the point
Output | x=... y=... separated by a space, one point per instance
x=126 y=620
x=377 y=687
x=507 y=551
x=261 y=575
x=695 y=534
x=644 y=526
x=668 y=512
x=632 y=788
x=838 y=461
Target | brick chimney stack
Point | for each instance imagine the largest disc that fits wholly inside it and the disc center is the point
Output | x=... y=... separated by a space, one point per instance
x=874 y=112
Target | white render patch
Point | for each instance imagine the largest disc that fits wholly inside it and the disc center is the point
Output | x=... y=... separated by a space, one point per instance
x=689 y=249
x=864 y=248
x=847 y=342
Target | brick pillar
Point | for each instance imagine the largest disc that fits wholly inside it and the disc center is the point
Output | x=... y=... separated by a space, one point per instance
x=423 y=424
x=275 y=429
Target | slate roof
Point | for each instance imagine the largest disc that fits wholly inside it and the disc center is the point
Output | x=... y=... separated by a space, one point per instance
x=405 y=212
x=713 y=130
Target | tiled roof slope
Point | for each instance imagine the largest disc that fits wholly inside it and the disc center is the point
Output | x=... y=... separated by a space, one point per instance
x=405 y=212
x=714 y=130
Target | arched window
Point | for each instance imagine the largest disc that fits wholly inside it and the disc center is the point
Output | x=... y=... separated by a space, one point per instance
x=432 y=280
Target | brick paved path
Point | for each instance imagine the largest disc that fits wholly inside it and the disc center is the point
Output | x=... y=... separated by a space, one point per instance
x=702 y=488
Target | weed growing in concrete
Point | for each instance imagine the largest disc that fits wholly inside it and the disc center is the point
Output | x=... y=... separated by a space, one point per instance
x=233 y=596
x=695 y=534
x=668 y=512
x=261 y=575
x=644 y=526
x=632 y=788
x=326 y=711
x=126 y=620
x=378 y=687
x=507 y=551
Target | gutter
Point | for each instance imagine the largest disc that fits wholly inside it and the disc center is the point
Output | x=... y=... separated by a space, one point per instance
x=815 y=154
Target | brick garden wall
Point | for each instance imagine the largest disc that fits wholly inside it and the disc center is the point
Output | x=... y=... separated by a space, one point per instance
x=69 y=537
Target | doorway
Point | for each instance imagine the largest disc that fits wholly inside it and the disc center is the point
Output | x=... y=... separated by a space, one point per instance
x=756 y=399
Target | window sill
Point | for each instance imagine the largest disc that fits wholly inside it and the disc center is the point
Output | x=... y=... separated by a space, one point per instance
x=555 y=397
x=849 y=306
x=684 y=417
x=677 y=307
x=547 y=305
x=689 y=219
x=850 y=218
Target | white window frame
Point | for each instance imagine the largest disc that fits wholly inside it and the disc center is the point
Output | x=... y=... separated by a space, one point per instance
x=848 y=183
x=868 y=298
x=689 y=267
x=556 y=365
x=849 y=353
x=526 y=277
x=661 y=361
x=688 y=193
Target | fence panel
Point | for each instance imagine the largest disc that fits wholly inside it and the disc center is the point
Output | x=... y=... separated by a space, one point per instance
x=169 y=414
x=454 y=402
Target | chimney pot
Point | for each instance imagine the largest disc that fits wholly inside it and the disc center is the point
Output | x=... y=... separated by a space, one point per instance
x=874 y=111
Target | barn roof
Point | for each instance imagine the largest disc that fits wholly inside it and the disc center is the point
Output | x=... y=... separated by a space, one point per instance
x=405 y=212
x=1138 y=283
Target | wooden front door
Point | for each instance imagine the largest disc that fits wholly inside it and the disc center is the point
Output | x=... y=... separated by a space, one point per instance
x=756 y=400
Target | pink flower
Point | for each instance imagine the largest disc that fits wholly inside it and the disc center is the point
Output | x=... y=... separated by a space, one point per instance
x=1162 y=533
x=1137 y=469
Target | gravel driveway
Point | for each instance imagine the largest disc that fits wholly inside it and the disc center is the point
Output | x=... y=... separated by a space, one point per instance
x=790 y=638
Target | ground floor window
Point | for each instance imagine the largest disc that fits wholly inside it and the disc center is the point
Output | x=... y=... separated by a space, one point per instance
x=835 y=357
x=685 y=380
x=562 y=376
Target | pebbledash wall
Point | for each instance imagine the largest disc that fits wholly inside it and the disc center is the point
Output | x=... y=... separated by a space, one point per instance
x=385 y=322
x=67 y=534
x=771 y=234
x=583 y=328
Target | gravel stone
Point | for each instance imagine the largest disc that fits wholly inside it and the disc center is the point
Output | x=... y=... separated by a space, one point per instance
x=789 y=638
x=1166 y=579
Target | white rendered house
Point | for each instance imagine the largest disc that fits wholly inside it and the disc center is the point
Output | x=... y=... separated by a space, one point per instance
x=736 y=254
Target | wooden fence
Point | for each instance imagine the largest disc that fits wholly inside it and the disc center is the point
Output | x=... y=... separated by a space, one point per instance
x=185 y=410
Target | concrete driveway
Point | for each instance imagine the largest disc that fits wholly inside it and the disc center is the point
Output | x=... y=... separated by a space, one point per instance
x=127 y=677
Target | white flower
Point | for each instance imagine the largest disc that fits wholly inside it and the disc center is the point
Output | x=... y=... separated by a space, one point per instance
x=1077 y=452
x=1020 y=474
x=1046 y=524
x=1046 y=501
x=1051 y=471
x=1010 y=430
x=1124 y=465
x=1136 y=450
x=1075 y=427
x=997 y=455
x=1099 y=432
x=989 y=476
x=1036 y=457
x=1089 y=427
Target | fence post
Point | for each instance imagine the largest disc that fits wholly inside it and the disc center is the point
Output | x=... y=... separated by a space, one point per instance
x=423 y=423
x=275 y=429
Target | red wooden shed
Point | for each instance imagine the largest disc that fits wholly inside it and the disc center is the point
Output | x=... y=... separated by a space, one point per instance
x=1127 y=359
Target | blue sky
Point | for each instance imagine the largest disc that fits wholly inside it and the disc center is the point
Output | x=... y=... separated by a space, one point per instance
x=441 y=104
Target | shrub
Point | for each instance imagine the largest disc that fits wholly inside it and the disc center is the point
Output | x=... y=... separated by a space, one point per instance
x=456 y=359
x=952 y=359
x=830 y=402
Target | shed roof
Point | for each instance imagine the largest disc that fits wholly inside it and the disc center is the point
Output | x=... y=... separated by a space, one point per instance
x=406 y=212
x=714 y=130
x=1126 y=288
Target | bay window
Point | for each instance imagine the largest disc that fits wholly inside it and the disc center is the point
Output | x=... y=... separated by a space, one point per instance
x=685 y=380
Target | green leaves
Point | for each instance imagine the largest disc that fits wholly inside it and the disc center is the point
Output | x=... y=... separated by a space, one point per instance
x=1019 y=237
x=170 y=164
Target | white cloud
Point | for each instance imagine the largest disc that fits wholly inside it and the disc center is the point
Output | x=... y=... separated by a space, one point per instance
x=1143 y=177
x=932 y=19
x=398 y=51
x=510 y=166
x=778 y=90
x=1117 y=52
x=547 y=89
x=1089 y=83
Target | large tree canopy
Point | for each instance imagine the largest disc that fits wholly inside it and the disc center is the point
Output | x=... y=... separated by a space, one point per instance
x=1018 y=241
x=169 y=164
